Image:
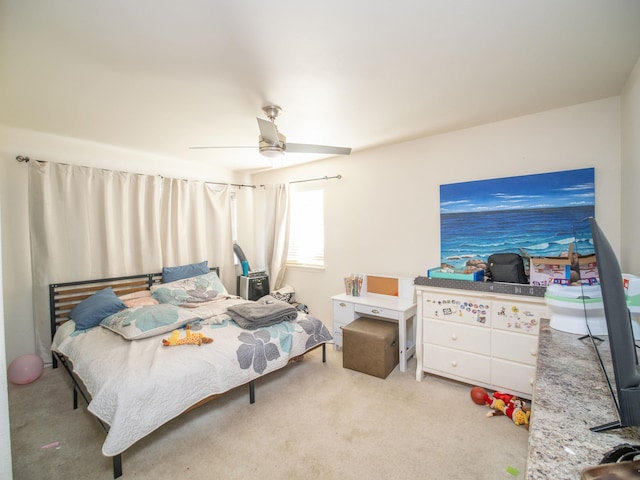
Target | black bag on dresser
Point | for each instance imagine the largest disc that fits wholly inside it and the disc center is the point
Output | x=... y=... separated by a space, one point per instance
x=506 y=267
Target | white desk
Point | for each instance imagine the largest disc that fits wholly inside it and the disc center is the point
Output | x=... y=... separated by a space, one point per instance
x=347 y=308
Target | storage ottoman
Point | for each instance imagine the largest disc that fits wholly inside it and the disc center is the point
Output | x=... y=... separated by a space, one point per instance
x=370 y=346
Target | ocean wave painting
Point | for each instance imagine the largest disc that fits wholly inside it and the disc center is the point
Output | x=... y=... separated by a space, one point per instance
x=541 y=214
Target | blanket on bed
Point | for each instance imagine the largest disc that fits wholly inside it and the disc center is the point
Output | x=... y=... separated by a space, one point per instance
x=262 y=313
x=137 y=386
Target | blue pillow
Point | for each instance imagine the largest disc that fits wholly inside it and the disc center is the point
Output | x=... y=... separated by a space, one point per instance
x=171 y=274
x=90 y=312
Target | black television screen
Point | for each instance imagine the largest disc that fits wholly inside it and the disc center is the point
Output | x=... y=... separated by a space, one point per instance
x=624 y=360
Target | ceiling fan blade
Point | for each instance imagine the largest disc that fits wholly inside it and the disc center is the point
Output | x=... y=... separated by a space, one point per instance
x=237 y=146
x=306 y=148
x=268 y=131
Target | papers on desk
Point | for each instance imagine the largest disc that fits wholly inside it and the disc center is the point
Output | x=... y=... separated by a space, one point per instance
x=353 y=284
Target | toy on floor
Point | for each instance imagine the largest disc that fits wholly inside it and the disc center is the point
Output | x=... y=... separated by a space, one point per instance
x=188 y=339
x=503 y=404
x=478 y=395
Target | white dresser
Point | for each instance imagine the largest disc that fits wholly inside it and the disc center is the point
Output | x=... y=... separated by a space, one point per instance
x=480 y=338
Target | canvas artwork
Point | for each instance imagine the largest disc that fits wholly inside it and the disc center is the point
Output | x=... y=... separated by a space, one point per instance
x=537 y=214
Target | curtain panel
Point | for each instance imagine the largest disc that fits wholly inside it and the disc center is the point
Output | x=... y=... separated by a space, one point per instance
x=271 y=207
x=196 y=226
x=88 y=223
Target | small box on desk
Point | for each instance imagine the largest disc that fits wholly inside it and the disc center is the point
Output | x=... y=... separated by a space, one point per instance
x=370 y=346
x=438 y=272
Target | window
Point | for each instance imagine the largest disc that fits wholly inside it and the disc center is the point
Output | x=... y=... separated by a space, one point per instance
x=306 y=228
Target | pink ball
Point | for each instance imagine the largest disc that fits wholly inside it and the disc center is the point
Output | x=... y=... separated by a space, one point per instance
x=25 y=369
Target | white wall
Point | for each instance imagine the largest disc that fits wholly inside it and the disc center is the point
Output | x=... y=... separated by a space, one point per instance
x=383 y=216
x=630 y=134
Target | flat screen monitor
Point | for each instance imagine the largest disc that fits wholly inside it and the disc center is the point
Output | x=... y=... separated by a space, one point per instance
x=621 y=361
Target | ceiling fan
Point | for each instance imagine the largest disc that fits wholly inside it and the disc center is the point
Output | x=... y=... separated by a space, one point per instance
x=272 y=143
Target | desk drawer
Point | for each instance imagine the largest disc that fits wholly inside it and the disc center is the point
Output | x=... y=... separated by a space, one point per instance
x=342 y=311
x=337 y=335
x=343 y=314
x=377 y=312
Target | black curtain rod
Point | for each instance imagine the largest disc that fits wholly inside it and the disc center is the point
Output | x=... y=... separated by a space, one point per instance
x=22 y=158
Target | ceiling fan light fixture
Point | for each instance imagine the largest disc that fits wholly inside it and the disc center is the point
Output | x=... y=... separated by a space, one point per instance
x=275 y=149
x=272 y=152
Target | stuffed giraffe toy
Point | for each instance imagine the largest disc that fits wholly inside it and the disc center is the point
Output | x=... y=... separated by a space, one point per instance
x=188 y=339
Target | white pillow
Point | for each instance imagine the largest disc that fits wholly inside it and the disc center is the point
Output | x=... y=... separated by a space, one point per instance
x=148 y=321
x=199 y=289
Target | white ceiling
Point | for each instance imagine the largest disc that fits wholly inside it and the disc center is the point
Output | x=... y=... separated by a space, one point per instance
x=162 y=75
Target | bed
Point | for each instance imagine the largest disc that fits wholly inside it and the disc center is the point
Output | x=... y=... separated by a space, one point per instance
x=174 y=346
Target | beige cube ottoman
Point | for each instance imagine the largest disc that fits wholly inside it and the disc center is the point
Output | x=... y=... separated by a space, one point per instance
x=370 y=346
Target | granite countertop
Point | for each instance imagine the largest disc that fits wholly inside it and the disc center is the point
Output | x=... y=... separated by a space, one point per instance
x=570 y=396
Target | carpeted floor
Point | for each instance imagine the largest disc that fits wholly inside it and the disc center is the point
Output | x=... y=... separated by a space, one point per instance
x=310 y=420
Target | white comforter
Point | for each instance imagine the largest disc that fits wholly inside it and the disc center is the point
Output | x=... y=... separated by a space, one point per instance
x=137 y=386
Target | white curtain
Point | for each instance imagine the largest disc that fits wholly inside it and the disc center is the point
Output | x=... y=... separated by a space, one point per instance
x=271 y=208
x=196 y=226
x=88 y=223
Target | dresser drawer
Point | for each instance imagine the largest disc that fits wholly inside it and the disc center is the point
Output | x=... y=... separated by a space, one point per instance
x=459 y=336
x=517 y=347
x=377 y=312
x=457 y=308
x=512 y=377
x=450 y=362
x=518 y=316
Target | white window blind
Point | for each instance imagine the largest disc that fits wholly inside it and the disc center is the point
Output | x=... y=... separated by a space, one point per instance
x=306 y=228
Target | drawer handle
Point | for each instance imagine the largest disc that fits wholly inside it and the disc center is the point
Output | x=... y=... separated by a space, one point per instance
x=375 y=311
x=454 y=363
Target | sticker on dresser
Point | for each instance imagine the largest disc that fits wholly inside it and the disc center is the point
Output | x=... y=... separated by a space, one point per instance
x=458 y=309
x=520 y=317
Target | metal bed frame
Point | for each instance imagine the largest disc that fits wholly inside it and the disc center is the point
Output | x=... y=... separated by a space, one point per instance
x=64 y=296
